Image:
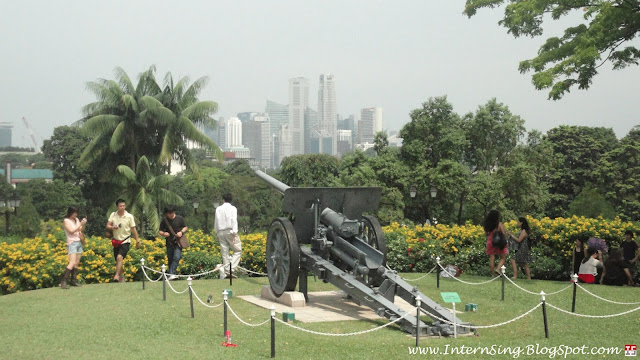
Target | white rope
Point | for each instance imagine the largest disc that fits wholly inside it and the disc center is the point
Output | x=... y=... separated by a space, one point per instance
x=421 y=277
x=155 y=271
x=348 y=334
x=174 y=290
x=593 y=316
x=484 y=326
x=537 y=294
x=466 y=282
x=244 y=322
x=201 y=302
x=250 y=271
x=147 y=276
x=201 y=274
x=603 y=299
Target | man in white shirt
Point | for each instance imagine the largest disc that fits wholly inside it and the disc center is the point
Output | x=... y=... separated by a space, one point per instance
x=226 y=227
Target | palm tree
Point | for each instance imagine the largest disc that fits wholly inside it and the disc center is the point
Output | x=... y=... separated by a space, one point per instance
x=178 y=109
x=122 y=130
x=145 y=192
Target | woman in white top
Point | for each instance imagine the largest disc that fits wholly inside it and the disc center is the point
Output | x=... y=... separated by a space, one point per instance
x=72 y=228
x=589 y=267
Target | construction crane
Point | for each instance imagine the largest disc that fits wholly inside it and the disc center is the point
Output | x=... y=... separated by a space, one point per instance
x=33 y=137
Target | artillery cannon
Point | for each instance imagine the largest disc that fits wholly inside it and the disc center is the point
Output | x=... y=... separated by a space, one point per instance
x=327 y=234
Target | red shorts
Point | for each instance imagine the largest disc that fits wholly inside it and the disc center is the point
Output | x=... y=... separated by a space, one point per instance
x=587 y=278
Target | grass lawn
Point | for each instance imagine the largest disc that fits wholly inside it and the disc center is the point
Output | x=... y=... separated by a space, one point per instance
x=108 y=321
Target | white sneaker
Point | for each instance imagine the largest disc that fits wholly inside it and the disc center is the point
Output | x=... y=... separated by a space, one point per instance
x=172 y=277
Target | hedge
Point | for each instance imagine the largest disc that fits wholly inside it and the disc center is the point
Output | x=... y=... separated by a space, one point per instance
x=39 y=262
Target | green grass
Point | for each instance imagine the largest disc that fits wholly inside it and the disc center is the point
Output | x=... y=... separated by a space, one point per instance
x=109 y=321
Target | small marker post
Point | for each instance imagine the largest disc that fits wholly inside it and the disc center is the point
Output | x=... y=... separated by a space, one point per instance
x=164 y=282
x=273 y=331
x=574 y=277
x=438 y=272
x=142 y=269
x=502 y=269
x=190 y=295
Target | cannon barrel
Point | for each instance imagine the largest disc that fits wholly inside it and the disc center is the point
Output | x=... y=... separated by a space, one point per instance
x=275 y=183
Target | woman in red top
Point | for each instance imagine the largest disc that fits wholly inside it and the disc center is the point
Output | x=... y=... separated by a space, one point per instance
x=491 y=225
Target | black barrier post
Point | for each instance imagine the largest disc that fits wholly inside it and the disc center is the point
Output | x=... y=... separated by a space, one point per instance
x=438 y=272
x=164 y=282
x=503 y=268
x=544 y=315
x=273 y=331
x=575 y=286
x=190 y=295
x=418 y=303
x=230 y=275
x=142 y=269
x=224 y=297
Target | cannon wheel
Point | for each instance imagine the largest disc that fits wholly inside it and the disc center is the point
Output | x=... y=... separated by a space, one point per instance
x=283 y=256
x=373 y=235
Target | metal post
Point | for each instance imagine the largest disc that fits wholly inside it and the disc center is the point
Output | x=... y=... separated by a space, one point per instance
x=225 y=297
x=142 y=268
x=273 y=331
x=438 y=272
x=190 y=295
x=544 y=315
x=6 y=219
x=455 y=328
x=164 y=282
x=574 y=277
x=206 y=222
x=502 y=269
x=418 y=303
x=230 y=275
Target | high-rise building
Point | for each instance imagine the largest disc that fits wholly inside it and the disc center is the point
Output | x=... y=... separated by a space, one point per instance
x=256 y=136
x=370 y=124
x=220 y=134
x=5 y=134
x=278 y=115
x=298 y=103
x=233 y=131
x=246 y=116
x=345 y=143
x=310 y=125
x=327 y=110
x=284 y=143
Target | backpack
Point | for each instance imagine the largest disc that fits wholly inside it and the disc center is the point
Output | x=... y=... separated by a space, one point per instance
x=498 y=239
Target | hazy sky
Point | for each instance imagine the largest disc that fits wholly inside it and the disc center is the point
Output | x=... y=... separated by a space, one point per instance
x=391 y=54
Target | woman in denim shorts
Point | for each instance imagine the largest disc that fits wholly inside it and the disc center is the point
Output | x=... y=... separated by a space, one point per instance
x=72 y=228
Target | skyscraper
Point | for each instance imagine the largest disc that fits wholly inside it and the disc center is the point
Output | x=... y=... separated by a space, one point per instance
x=327 y=110
x=278 y=114
x=233 y=133
x=298 y=103
x=370 y=124
x=256 y=136
x=5 y=134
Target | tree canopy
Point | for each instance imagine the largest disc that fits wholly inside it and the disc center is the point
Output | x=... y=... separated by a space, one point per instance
x=573 y=59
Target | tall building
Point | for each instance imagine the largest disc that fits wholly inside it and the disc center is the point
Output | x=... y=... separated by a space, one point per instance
x=370 y=124
x=327 y=110
x=5 y=134
x=310 y=125
x=233 y=133
x=344 y=140
x=220 y=134
x=246 y=116
x=284 y=143
x=298 y=103
x=278 y=115
x=256 y=136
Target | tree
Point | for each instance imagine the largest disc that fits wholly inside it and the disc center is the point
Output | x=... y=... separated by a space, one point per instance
x=380 y=142
x=493 y=134
x=51 y=199
x=574 y=58
x=577 y=151
x=145 y=192
x=589 y=203
x=313 y=170
x=64 y=150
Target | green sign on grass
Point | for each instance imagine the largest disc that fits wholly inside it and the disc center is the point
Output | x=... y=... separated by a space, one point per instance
x=450 y=297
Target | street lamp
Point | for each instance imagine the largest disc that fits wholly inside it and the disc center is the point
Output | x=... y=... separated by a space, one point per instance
x=413 y=191
x=434 y=192
x=195 y=205
x=13 y=202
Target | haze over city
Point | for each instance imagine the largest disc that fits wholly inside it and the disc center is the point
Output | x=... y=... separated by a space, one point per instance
x=392 y=55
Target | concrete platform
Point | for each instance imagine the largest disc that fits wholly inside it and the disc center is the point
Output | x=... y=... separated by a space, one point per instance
x=325 y=306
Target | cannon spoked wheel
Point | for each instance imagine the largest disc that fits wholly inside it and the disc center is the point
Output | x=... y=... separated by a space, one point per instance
x=283 y=256
x=373 y=235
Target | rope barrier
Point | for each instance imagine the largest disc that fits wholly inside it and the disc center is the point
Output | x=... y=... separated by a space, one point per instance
x=242 y=321
x=251 y=271
x=147 y=276
x=201 y=274
x=201 y=302
x=421 y=277
x=603 y=299
x=537 y=294
x=348 y=334
x=174 y=290
x=593 y=316
x=466 y=282
x=483 y=326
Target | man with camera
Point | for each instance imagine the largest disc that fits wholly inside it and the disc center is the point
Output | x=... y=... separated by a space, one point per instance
x=172 y=227
x=123 y=225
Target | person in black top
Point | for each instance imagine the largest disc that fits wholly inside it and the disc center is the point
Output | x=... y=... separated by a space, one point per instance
x=179 y=226
x=616 y=270
x=579 y=253
x=630 y=248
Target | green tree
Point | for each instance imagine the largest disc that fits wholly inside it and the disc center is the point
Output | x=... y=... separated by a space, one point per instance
x=380 y=142
x=145 y=192
x=589 y=203
x=51 y=199
x=574 y=58
x=26 y=221
x=577 y=152
x=64 y=150
x=313 y=170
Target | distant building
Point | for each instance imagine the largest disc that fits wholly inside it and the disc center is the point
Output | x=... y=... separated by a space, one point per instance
x=14 y=176
x=233 y=133
x=256 y=136
x=321 y=143
x=298 y=104
x=278 y=115
x=284 y=143
x=344 y=142
x=310 y=124
x=5 y=134
x=370 y=124
x=327 y=110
